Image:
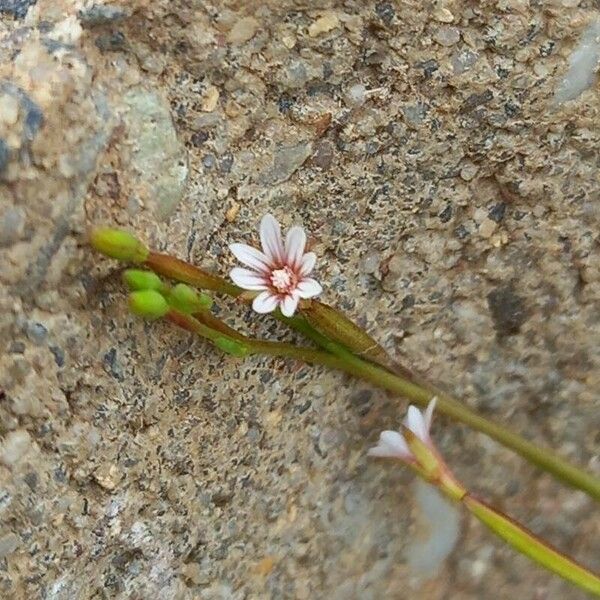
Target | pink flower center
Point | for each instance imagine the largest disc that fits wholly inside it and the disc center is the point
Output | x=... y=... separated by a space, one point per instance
x=284 y=280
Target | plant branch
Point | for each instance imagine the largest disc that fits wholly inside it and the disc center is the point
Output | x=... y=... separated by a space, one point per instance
x=345 y=361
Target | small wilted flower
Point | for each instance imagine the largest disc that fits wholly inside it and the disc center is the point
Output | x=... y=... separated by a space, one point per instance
x=280 y=272
x=393 y=444
x=414 y=446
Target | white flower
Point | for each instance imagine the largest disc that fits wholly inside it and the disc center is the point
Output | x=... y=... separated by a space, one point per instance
x=280 y=272
x=392 y=444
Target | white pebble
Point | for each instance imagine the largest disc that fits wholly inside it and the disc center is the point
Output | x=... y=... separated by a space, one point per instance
x=583 y=63
x=15 y=446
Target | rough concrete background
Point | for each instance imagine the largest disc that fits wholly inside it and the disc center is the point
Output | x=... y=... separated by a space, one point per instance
x=454 y=206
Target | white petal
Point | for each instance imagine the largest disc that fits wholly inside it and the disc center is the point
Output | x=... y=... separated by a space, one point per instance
x=308 y=263
x=414 y=421
x=429 y=413
x=289 y=305
x=295 y=241
x=265 y=302
x=308 y=288
x=391 y=445
x=250 y=256
x=270 y=238
x=247 y=279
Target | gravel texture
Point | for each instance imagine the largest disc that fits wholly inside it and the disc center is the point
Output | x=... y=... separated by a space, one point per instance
x=453 y=204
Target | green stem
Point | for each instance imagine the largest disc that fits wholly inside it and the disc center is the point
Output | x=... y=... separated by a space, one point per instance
x=348 y=362
x=528 y=543
x=515 y=534
x=178 y=269
x=542 y=457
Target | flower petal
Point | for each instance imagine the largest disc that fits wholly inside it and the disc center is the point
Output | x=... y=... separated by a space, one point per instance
x=265 y=302
x=289 y=305
x=391 y=445
x=429 y=413
x=308 y=288
x=247 y=279
x=295 y=241
x=414 y=421
x=270 y=239
x=308 y=263
x=251 y=257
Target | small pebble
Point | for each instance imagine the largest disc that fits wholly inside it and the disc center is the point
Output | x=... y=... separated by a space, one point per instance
x=243 y=30
x=447 y=36
x=370 y=263
x=209 y=161
x=15 y=446
x=9 y=109
x=487 y=228
x=12 y=225
x=468 y=171
x=232 y=212
x=356 y=94
x=108 y=476
x=8 y=544
x=153 y=63
x=36 y=332
x=497 y=212
x=323 y=24
x=59 y=356
x=210 y=100
x=443 y=15
x=4 y=155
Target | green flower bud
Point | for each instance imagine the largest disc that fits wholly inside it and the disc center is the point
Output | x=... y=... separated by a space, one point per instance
x=187 y=300
x=136 y=279
x=232 y=347
x=118 y=244
x=148 y=304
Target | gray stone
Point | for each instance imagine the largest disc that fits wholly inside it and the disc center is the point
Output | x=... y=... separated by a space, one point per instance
x=4 y=155
x=101 y=14
x=8 y=544
x=158 y=158
x=36 y=332
x=447 y=36
x=12 y=223
x=286 y=161
x=17 y=8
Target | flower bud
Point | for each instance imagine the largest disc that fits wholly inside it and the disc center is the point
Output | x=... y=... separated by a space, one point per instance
x=187 y=300
x=137 y=279
x=339 y=328
x=148 y=304
x=118 y=244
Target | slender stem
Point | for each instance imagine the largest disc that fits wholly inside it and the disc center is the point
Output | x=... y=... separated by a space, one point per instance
x=542 y=457
x=531 y=545
x=515 y=534
x=344 y=360
x=178 y=269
